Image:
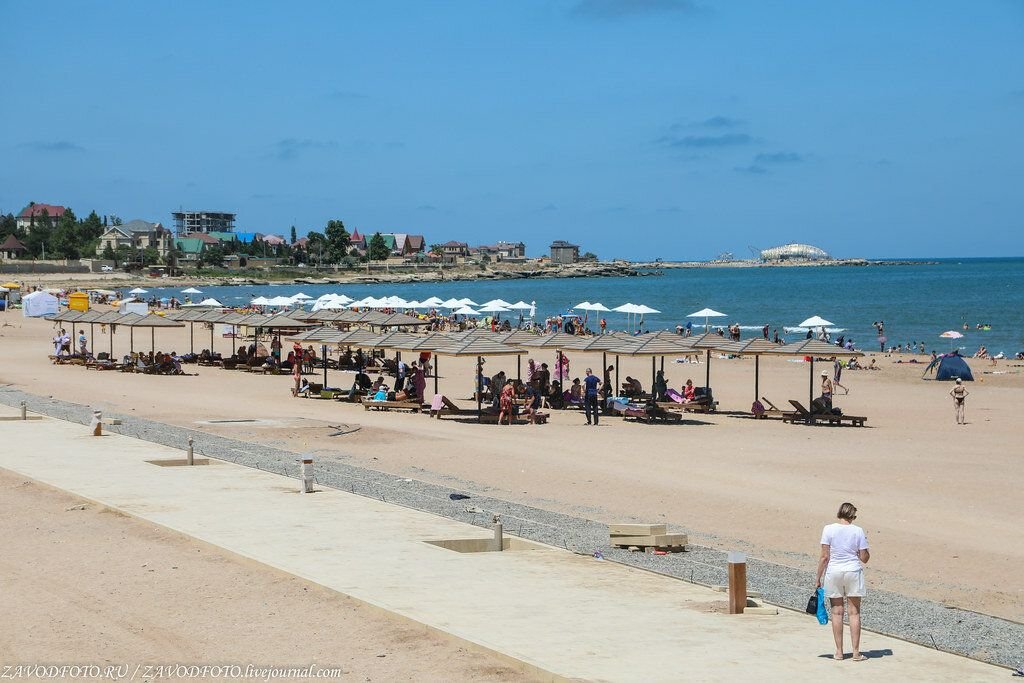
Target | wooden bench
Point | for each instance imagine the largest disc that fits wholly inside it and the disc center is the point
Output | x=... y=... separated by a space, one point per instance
x=414 y=406
x=807 y=417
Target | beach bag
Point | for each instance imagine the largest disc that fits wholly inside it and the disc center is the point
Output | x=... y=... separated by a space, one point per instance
x=812 y=604
x=822 y=606
x=757 y=409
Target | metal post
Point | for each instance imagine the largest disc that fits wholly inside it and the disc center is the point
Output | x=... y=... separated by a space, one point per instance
x=323 y=357
x=152 y=340
x=479 y=389
x=737 y=582
x=131 y=340
x=757 y=375
x=192 y=338
x=810 y=384
x=707 y=370
x=24 y=411
x=189 y=455
x=435 y=358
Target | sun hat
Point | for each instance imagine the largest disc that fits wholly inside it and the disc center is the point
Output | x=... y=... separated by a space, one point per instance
x=959 y=381
x=824 y=373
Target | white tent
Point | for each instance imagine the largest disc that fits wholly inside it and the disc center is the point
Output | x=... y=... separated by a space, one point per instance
x=210 y=302
x=38 y=304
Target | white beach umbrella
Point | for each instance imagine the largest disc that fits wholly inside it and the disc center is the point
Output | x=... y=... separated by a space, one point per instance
x=642 y=309
x=465 y=310
x=209 y=302
x=138 y=290
x=599 y=307
x=706 y=313
x=520 y=306
x=396 y=301
x=816 y=321
x=260 y=301
x=452 y=303
x=191 y=290
x=951 y=334
x=432 y=301
x=584 y=306
x=497 y=302
x=413 y=304
x=493 y=308
x=626 y=308
x=468 y=302
x=280 y=301
x=301 y=297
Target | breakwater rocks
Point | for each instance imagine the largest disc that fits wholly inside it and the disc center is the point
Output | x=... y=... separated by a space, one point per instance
x=781 y=264
x=398 y=275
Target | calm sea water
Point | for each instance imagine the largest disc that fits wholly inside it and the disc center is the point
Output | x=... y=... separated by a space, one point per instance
x=917 y=303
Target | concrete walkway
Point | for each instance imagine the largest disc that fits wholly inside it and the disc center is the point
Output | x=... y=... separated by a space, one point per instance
x=566 y=615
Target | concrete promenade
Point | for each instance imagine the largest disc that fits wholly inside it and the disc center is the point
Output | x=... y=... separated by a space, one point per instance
x=561 y=614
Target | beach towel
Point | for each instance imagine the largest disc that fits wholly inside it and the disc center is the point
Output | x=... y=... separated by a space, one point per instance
x=437 y=403
x=675 y=396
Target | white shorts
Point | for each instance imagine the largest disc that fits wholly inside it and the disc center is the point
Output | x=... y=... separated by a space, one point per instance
x=844 y=584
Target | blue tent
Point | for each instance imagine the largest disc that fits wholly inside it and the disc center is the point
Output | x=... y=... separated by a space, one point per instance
x=951 y=366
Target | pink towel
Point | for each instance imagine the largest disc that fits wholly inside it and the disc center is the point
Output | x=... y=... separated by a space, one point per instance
x=438 y=402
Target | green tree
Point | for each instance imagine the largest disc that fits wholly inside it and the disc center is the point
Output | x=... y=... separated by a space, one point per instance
x=338 y=241
x=108 y=253
x=65 y=240
x=295 y=237
x=122 y=255
x=150 y=256
x=91 y=228
x=39 y=233
x=8 y=225
x=316 y=245
x=436 y=249
x=213 y=255
x=171 y=259
x=377 y=248
x=115 y=220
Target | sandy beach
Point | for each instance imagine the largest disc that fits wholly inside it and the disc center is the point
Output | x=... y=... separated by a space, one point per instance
x=92 y=585
x=935 y=498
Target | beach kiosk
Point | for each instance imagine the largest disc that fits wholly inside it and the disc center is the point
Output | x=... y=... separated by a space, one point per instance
x=78 y=301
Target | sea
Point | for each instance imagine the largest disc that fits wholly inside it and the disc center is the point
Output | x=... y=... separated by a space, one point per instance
x=916 y=303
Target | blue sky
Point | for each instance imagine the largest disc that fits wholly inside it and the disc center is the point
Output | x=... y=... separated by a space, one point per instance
x=636 y=128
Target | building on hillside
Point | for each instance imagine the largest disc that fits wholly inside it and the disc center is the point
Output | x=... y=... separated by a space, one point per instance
x=564 y=252
x=455 y=250
x=511 y=251
x=358 y=241
x=136 y=234
x=12 y=249
x=409 y=245
x=274 y=240
x=33 y=212
x=203 y=221
x=191 y=248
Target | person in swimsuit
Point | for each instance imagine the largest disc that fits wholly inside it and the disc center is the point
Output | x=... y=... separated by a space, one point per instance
x=959 y=394
x=826 y=389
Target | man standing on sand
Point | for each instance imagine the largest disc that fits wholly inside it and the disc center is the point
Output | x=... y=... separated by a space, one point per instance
x=959 y=394
x=837 y=372
x=591 y=383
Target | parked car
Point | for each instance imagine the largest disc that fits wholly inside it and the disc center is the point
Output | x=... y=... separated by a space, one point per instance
x=107 y=269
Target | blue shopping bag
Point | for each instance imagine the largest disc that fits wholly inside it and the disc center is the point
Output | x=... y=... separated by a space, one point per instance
x=822 y=607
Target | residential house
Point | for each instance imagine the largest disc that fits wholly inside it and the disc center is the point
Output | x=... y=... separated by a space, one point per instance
x=511 y=251
x=358 y=241
x=455 y=250
x=564 y=252
x=33 y=212
x=274 y=240
x=11 y=248
x=191 y=248
x=114 y=237
x=409 y=245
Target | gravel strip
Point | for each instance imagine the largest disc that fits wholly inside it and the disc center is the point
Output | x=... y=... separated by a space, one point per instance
x=986 y=638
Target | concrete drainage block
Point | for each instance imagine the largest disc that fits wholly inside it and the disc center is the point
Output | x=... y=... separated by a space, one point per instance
x=484 y=545
x=178 y=462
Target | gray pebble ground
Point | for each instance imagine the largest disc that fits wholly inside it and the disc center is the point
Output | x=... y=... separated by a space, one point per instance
x=979 y=636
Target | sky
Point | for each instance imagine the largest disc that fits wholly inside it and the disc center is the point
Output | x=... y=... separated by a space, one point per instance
x=640 y=129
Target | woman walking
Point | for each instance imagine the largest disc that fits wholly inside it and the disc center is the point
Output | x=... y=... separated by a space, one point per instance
x=844 y=552
x=959 y=394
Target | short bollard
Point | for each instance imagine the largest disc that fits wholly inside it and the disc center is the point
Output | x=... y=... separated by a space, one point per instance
x=24 y=410
x=737 y=582
x=499 y=534
x=97 y=423
x=306 y=474
x=189 y=458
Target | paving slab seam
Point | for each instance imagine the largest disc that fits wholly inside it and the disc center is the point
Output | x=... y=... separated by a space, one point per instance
x=963 y=632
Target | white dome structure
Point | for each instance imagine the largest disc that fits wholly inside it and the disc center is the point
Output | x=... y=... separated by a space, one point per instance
x=794 y=252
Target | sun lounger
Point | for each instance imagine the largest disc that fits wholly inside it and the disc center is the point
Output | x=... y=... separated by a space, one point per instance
x=442 y=405
x=413 y=406
x=807 y=417
x=489 y=417
x=771 y=410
